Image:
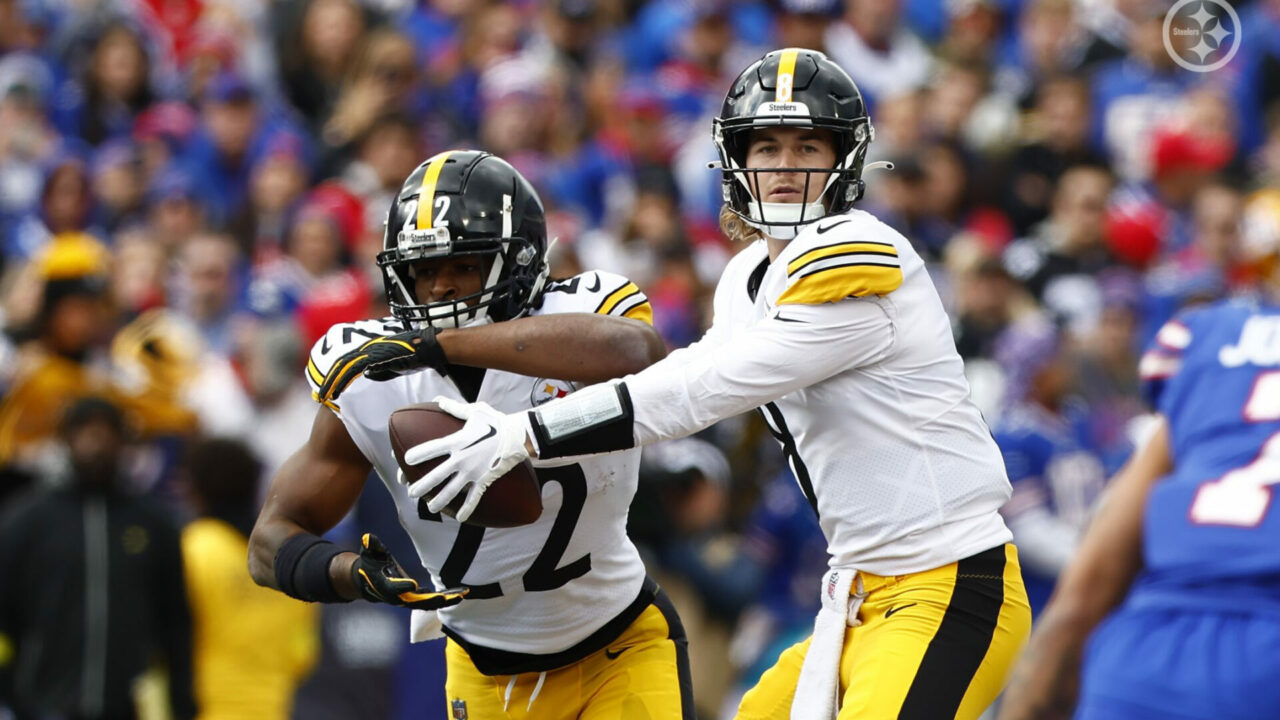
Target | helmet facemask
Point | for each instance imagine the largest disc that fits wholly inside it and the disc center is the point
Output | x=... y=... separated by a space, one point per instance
x=792 y=88
x=739 y=185
x=516 y=273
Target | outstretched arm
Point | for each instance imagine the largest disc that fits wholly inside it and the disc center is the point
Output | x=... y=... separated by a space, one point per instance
x=672 y=398
x=1046 y=679
x=578 y=347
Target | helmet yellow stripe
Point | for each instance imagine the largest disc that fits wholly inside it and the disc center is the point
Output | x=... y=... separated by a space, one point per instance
x=786 y=76
x=427 y=196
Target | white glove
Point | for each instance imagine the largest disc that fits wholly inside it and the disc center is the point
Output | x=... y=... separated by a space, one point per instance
x=487 y=446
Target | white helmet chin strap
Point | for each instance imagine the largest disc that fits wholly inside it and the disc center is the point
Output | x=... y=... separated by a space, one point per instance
x=784 y=213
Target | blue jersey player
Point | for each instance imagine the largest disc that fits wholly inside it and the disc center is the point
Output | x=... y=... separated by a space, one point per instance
x=1184 y=552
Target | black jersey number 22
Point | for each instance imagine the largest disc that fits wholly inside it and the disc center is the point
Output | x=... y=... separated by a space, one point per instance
x=545 y=573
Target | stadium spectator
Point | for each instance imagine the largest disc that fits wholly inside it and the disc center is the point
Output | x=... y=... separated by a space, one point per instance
x=54 y=363
x=113 y=83
x=803 y=23
x=252 y=646
x=383 y=78
x=206 y=288
x=1057 y=262
x=1056 y=138
x=110 y=599
x=178 y=209
x=1044 y=437
x=884 y=57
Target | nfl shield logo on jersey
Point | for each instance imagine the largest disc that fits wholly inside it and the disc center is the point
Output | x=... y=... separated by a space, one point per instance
x=459 y=710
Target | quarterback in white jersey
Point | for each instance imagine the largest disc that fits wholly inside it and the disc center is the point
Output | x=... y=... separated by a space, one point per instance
x=532 y=613
x=829 y=324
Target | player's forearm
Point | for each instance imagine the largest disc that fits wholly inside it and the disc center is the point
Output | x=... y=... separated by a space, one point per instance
x=579 y=347
x=265 y=543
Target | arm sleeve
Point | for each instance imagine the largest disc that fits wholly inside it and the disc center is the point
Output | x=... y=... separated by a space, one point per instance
x=788 y=350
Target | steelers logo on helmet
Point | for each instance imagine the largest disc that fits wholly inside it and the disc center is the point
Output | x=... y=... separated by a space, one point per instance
x=466 y=202
x=792 y=87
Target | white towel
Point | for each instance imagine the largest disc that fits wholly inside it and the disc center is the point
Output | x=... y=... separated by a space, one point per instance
x=818 y=689
x=425 y=625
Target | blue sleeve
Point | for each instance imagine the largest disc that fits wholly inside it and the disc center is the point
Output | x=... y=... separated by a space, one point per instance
x=1163 y=357
x=1024 y=455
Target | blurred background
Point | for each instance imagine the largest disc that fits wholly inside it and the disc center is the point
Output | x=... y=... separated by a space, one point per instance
x=192 y=191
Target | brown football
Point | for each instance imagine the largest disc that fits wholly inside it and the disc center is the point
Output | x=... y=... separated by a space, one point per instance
x=512 y=500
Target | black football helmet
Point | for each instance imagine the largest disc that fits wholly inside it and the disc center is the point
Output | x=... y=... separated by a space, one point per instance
x=466 y=202
x=792 y=87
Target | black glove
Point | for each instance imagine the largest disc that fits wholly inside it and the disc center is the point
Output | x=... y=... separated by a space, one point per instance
x=385 y=358
x=381 y=579
x=426 y=353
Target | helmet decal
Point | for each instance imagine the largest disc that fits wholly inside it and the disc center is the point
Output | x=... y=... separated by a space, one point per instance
x=786 y=76
x=427 y=196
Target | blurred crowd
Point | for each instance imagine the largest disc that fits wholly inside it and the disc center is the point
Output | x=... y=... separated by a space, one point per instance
x=192 y=191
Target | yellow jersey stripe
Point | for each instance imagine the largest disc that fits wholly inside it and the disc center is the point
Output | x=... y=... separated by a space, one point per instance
x=317 y=377
x=786 y=76
x=849 y=248
x=837 y=283
x=616 y=297
x=427 y=196
x=642 y=312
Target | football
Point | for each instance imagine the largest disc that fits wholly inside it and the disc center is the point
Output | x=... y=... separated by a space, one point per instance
x=512 y=500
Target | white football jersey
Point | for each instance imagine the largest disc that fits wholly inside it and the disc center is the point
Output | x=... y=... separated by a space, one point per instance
x=843 y=344
x=536 y=589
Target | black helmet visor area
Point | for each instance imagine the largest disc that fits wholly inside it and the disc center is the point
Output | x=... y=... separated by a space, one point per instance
x=497 y=299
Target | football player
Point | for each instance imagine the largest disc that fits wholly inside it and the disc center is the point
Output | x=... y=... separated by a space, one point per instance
x=549 y=620
x=829 y=324
x=1184 y=551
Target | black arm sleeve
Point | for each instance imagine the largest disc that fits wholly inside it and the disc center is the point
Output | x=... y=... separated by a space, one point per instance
x=592 y=427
